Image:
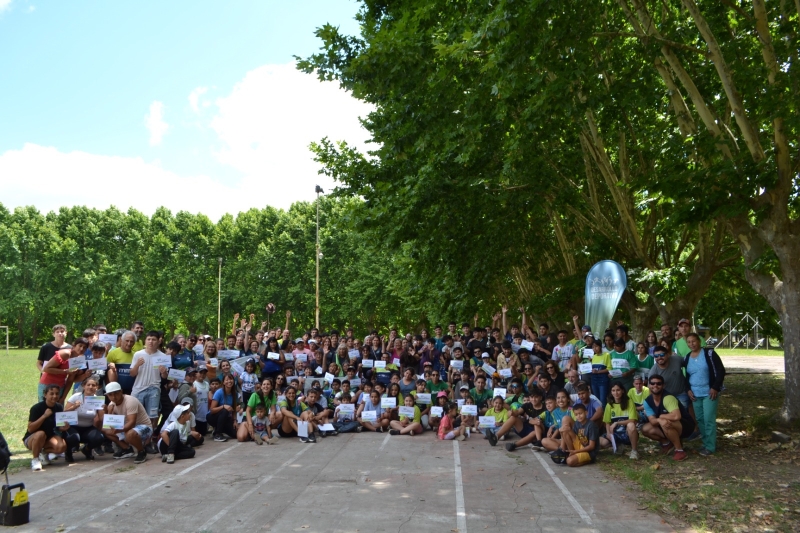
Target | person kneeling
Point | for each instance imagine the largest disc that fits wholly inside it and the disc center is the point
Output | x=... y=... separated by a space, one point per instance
x=579 y=438
x=174 y=435
x=41 y=437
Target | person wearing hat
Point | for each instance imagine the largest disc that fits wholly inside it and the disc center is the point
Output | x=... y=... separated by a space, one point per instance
x=188 y=390
x=679 y=346
x=137 y=429
x=174 y=435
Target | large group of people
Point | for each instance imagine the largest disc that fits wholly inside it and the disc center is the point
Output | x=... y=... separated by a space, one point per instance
x=133 y=393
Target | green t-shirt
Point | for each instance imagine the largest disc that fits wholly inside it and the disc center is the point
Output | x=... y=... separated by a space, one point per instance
x=436 y=387
x=256 y=399
x=629 y=362
x=499 y=416
x=299 y=407
x=116 y=355
x=481 y=398
x=682 y=348
x=648 y=362
x=638 y=398
x=613 y=412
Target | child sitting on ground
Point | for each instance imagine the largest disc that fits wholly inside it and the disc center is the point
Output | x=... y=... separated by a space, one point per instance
x=260 y=431
x=344 y=421
x=406 y=425
x=500 y=414
x=561 y=413
x=446 y=429
x=579 y=438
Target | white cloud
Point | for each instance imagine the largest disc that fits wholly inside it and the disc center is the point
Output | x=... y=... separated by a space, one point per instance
x=49 y=179
x=194 y=98
x=154 y=121
x=4 y=4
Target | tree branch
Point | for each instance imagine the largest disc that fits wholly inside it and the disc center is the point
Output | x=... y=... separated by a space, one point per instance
x=645 y=38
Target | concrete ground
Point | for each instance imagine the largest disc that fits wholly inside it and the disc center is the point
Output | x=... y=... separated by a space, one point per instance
x=762 y=364
x=352 y=482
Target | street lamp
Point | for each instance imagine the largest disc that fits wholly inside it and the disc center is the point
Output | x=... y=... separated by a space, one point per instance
x=219 y=297
x=319 y=191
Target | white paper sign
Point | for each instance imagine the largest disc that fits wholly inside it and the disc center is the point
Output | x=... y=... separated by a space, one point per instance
x=506 y=372
x=329 y=377
x=486 y=421
x=588 y=352
x=290 y=356
x=367 y=363
x=318 y=370
x=302 y=428
x=114 y=421
x=237 y=367
x=489 y=369
x=369 y=416
x=396 y=361
x=347 y=408
x=388 y=402
x=620 y=363
x=458 y=364
x=213 y=361
x=274 y=356
x=380 y=364
x=93 y=403
x=424 y=398
x=98 y=364
x=528 y=345
x=355 y=383
x=407 y=411
x=585 y=368
x=499 y=392
x=616 y=373
x=228 y=354
x=77 y=362
x=70 y=417
x=437 y=411
x=469 y=410
x=353 y=354
x=460 y=403
x=108 y=338
x=326 y=427
x=302 y=357
x=161 y=360
x=174 y=373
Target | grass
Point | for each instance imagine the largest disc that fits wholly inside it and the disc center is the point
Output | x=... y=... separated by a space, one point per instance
x=743 y=352
x=19 y=380
x=750 y=484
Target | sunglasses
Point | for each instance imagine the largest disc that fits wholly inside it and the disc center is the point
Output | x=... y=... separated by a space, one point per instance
x=659 y=355
x=514 y=386
x=659 y=383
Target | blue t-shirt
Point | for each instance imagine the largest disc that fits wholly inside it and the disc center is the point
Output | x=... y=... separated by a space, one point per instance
x=222 y=398
x=697 y=370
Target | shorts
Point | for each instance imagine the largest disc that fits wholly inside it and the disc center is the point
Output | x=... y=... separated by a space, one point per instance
x=285 y=434
x=144 y=431
x=621 y=435
x=526 y=430
x=151 y=399
x=684 y=399
x=583 y=458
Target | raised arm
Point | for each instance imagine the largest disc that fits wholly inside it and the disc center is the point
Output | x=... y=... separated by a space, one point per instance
x=505 y=322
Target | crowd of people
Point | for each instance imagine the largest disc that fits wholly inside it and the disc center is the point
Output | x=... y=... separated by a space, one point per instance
x=133 y=393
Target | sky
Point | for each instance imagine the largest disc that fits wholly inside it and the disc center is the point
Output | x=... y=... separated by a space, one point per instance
x=193 y=105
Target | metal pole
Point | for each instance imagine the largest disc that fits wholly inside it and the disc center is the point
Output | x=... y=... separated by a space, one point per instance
x=219 y=297
x=316 y=321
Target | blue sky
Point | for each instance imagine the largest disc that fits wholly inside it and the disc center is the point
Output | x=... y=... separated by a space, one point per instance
x=186 y=96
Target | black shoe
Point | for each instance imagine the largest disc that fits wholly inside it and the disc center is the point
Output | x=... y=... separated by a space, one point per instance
x=511 y=447
x=87 y=453
x=537 y=445
x=107 y=448
x=323 y=434
x=140 y=457
x=394 y=432
x=68 y=458
x=124 y=453
x=151 y=449
x=312 y=439
x=492 y=438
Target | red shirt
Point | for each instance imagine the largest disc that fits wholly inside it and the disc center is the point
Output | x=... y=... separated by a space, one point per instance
x=56 y=379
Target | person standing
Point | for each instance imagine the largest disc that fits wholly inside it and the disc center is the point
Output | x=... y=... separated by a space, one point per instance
x=705 y=376
x=679 y=346
x=147 y=384
x=48 y=350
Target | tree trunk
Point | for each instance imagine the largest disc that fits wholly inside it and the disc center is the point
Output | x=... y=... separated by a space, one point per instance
x=790 y=320
x=643 y=315
x=20 y=333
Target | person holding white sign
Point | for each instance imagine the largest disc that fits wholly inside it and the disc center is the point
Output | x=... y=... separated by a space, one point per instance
x=500 y=414
x=57 y=370
x=148 y=375
x=624 y=362
x=447 y=429
x=295 y=411
x=40 y=437
x=137 y=429
x=410 y=422
x=90 y=415
x=373 y=404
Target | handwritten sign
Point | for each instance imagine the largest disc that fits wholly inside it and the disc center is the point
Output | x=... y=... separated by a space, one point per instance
x=302 y=428
x=161 y=360
x=98 y=364
x=213 y=361
x=396 y=361
x=69 y=417
x=77 y=362
x=389 y=402
x=367 y=363
x=228 y=354
x=469 y=410
x=318 y=370
x=369 y=416
x=326 y=427
x=506 y=372
x=94 y=403
x=114 y=421
x=174 y=373
x=108 y=338
x=407 y=411
x=499 y=392
x=486 y=421
x=237 y=368
x=380 y=364
x=460 y=403
x=489 y=369
x=274 y=356
x=588 y=352
x=424 y=398
x=437 y=411
x=585 y=368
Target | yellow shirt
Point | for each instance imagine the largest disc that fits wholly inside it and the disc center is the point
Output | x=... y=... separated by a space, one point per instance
x=499 y=416
x=116 y=355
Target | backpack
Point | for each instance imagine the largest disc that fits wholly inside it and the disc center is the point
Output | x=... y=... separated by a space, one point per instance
x=5 y=454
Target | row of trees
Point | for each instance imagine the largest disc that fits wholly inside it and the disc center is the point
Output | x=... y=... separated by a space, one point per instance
x=537 y=137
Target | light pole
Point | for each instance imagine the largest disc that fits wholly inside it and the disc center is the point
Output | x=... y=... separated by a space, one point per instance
x=318 y=190
x=219 y=297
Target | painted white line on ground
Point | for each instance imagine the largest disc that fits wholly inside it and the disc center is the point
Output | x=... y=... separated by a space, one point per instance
x=384 y=443
x=461 y=515
x=148 y=489
x=68 y=480
x=244 y=496
x=583 y=514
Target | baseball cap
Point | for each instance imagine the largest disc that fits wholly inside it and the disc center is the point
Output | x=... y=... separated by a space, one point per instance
x=191 y=371
x=183 y=408
x=113 y=387
x=484 y=355
x=464 y=387
x=682 y=320
x=299 y=340
x=442 y=394
x=187 y=401
x=202 y=368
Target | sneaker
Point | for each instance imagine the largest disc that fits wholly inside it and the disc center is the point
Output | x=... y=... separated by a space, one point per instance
x=333 y=433
x=226 y=436
x=164 y=458
x=394 y=432
x=634 y=455
x=107 y=448
x=272 y=440
x=87 y=453
x=140 y=457
x=323 y=434
x=151 y=449
x=666 y=448
x=680 y=455
x=124 y=453
x=492 y=437
x=220 y=438
x=36 y=465
x=258 y=439
x=620 y=450
x=303 y=439
x=312 y=439
x=705 y=452
x=694 y=436
x=460 y=438
x=170 y=458
x=358 y=429
x=44 y=459
x=511 y=447
x=537 y=445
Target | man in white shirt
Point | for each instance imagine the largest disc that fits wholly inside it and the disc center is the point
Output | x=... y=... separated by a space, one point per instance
x=147 y=384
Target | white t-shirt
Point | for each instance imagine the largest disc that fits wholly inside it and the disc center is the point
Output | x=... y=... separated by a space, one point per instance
x=85 y=418
x=202 y=399
x=148 y=374
x=183 y=430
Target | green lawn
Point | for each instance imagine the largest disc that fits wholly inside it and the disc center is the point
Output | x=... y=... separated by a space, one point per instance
x=19 y=379
x=774 y=352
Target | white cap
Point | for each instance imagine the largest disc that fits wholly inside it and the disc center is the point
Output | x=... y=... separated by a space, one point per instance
x=113 y=387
